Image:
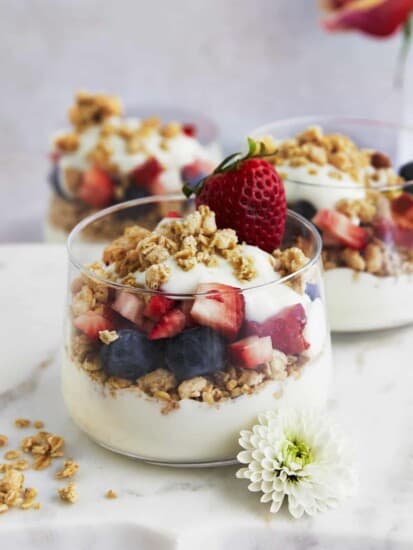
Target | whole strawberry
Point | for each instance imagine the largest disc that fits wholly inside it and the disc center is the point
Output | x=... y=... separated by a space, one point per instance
x=247 y=195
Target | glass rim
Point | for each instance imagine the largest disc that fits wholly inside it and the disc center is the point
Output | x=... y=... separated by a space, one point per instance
x=178 y=197
x=265 y=129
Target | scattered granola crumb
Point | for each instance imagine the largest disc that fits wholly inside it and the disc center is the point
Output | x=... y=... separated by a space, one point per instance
x=68 y=471
x=12 y=455
x=3 y=440
x=22 y=423
x=108 y=336
x=68 y=493
x=21 y=465
x=38 y=424
x=111 y=494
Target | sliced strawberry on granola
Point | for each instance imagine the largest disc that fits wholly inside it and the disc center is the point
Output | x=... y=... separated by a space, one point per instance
x=285 y=329
x=130 y=306
x=402 y=210
x=250 y=352
x=91 y=323
x=170 y=324
x=147 y=174
x=220 y=307
x=97 y=188
x=157 y=306
x=337 y=225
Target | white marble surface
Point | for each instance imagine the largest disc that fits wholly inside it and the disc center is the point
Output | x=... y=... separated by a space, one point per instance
x=162 y=509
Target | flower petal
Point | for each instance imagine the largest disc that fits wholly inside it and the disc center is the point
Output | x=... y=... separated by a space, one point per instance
x=375 y=17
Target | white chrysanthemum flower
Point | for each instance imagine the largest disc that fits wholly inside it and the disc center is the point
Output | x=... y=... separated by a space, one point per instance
x=299 y=456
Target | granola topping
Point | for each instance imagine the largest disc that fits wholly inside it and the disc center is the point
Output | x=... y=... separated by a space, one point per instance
x=336 y=152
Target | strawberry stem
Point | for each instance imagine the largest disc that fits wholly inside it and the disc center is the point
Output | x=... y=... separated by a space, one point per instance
x=231 y=162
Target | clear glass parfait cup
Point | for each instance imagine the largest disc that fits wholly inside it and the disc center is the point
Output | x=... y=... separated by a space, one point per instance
x=182 y=400
x=362 y=203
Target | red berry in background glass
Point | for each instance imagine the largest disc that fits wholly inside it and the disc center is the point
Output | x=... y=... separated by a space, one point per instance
x=247 y=194
x=147 y=174
x=97 y=188
x=189 y=130
x=402 y=210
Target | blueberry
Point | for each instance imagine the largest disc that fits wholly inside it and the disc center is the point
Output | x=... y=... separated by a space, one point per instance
x=132 y=192
x=406 y=172
x=305 y=208
x=313 y=291
x=131 y=355
x=195 y=352
x=56 y=181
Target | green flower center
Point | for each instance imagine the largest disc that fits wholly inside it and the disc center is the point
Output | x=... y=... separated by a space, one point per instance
x=296 y=452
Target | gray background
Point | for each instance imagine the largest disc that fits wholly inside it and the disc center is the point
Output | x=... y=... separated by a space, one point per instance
x=242 y=63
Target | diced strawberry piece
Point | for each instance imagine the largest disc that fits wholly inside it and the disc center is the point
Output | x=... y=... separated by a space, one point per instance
x=220 y=307
x=130 y=306
x=393 y=234
x=285 y=328
x=341 y=228
x=157 y=306
x=91 y=323
x=173 y=214
x=402 y=210
x=147 y=174
x=171 y=324
x=330 y=240
x=189 y=129
x=97 y=188
x=251 y=352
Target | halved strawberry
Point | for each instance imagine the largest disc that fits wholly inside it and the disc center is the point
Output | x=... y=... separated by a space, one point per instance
x=220 y=307
x=171 y=324
x=97 y=188
x=130 y=306
x=402 y=210
x=341 y=228
x=285 y=329
x=250 y=352
x=157 y=306
x=189 y=130
x=91 y=323
x=147 y=174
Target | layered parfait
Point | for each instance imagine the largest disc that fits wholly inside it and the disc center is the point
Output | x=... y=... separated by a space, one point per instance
x=364 y=211
x=179 y=336
x=107 y=158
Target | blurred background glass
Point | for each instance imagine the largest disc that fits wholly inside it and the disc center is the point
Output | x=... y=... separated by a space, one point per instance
x=238 y=63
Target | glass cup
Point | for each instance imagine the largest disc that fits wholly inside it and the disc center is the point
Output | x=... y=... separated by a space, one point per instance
x=168 y=160
x=183 y=400
x=367 y=229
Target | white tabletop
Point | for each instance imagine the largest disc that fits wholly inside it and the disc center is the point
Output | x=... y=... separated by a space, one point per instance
x=160 y=508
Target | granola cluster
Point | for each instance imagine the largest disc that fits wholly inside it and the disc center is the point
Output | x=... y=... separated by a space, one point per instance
x=315 y=149
x=189 y=241
x=379 y=258
x=376 y=258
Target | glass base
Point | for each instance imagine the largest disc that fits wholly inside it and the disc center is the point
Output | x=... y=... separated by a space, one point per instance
x=170 y=464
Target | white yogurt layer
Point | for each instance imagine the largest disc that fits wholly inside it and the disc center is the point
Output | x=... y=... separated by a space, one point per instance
x=319 y=189
x=361 y=301
x=131 y=422
x=181 y=150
